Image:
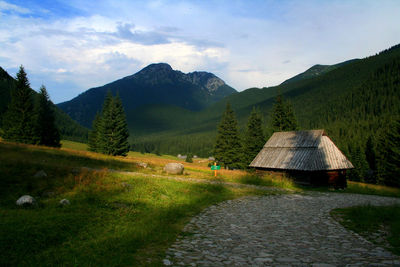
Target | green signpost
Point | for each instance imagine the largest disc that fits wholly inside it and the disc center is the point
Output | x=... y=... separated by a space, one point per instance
x=215 y=167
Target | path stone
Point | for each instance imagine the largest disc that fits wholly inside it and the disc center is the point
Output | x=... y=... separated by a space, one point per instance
x=279 y=230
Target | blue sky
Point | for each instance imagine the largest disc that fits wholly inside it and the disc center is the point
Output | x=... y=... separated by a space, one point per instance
x=71 y=46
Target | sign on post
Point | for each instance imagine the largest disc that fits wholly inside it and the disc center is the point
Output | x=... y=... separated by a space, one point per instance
x=214 y=168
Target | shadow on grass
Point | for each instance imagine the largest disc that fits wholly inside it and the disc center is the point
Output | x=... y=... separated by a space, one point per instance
x=105 y=225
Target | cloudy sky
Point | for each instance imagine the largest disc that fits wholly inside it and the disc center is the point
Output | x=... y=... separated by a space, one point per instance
x=73 y=45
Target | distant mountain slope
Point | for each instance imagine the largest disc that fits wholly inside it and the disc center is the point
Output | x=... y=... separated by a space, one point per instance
x=352 y=102
x=317 y=70
x=156 y=84
x=69 y=128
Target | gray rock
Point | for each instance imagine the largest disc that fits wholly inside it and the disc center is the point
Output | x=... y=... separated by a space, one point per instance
x=40 y=174
x=26 y=200
x=174 y=168
x=142 y=164
x=167 y=262
x=211 y=158
x=64 y=202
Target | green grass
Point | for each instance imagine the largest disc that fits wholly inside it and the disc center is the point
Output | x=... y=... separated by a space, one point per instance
x=74 y=145
x=380 y=225
x=113 y=219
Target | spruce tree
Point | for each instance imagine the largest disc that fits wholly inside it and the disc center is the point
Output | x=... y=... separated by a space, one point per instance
x=19 y=119
x=254 y=137
x=45 y=121
x=283 y=118
x=93 y=137
x=120 y=142
x=388 y=158
x=228 y=147
x=109 y=133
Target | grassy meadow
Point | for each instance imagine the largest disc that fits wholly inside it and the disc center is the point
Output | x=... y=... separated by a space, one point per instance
x=113 y=219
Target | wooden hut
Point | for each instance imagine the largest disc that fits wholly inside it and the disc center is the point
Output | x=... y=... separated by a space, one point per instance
x=309 y=156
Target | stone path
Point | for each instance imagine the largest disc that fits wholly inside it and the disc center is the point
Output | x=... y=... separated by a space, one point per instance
x=278 y=230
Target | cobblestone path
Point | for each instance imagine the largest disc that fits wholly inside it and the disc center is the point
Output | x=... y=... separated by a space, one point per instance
x=278 y=230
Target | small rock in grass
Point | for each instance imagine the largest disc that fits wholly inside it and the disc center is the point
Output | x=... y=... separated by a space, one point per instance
x=167 y=262
x=142 y=164
x=174 y=168
x=26 y=200
x=40 y=174
x=64 y=202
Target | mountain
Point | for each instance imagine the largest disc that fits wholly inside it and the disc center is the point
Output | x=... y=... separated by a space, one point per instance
x=69 y=129
x=156 y=84
x=317 y=70
x=352 y=101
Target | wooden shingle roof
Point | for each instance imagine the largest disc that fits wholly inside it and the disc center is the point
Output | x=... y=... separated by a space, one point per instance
x=301 y=150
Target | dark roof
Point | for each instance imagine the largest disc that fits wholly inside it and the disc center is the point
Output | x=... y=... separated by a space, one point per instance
x=301 y=150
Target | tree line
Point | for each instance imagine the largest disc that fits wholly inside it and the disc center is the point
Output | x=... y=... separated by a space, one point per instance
x=234 y=150
x=31 y=120
x=28 y=119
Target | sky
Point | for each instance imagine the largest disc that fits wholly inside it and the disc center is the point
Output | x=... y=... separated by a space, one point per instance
x=73 y=45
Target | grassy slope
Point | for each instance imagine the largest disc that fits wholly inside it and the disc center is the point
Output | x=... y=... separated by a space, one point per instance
x=113 y=219
x=107 y=224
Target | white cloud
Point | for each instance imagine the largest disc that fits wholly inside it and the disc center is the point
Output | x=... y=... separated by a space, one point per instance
x=4 y=6
x=246 y=44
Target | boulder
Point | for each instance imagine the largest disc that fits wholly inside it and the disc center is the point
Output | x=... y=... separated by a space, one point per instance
x=64 y=202
x=174 y=168
x=26 y=200
x=40 y=174
x=142 y=164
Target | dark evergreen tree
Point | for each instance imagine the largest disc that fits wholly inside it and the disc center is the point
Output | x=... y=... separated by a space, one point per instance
x=93 y=138
x=283 y=118
x=370 y=154
x=388 y=159
x=254 y=138
x=120 y=133
x=45 y=121
x=189 y=158
x=19 y=119
x=110 y=130
x=228 y=147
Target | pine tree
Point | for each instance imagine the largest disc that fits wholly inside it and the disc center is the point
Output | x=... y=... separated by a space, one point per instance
x=110 y=130
x=388 y=158
x=120 y=142
x=19 y=119
x=45 y=121
x=254 y=137
x=283 y=118
x=228 y=146
x=93 y=138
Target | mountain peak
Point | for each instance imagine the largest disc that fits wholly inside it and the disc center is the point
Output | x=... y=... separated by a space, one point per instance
x=156 y=68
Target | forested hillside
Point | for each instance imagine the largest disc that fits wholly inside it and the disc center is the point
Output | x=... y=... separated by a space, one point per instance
x=352 y=102
x=156 y=84
x=69 y=128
